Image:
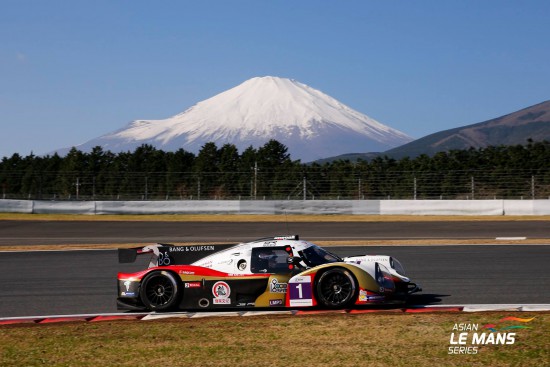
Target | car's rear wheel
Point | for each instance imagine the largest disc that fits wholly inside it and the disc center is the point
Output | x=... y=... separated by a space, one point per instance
x=160 y=291
x=336 y=288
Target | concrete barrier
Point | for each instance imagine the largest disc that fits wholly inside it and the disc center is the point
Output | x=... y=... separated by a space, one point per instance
x=63 y=207
x=356 y=207
x=314 y=207
x=526 y=207
x=366 y=207
x=257 y=206
x=16 y=206
x=168 y=207
x=441 y=207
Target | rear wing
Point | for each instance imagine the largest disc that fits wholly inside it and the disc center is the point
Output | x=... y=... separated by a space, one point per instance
x=167 y=254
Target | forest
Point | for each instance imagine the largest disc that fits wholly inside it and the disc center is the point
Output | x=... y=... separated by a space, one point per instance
x=270 y=173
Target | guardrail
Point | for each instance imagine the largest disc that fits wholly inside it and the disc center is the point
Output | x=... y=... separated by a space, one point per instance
x=354 y=207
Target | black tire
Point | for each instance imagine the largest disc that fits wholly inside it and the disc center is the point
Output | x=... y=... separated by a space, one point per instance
x=336 y=288
x=160 y=291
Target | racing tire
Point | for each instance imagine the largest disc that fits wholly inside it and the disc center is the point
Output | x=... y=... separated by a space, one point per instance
x=336 y=288
x=160 y=291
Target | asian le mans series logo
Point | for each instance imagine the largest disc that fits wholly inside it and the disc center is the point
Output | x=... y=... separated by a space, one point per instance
x=466 y=338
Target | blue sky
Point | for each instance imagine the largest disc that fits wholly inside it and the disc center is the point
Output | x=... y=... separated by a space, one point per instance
x=73 y=70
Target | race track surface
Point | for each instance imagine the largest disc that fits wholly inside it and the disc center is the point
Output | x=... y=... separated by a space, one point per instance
x=69 y=282
x=14 y=233
x=79 y=282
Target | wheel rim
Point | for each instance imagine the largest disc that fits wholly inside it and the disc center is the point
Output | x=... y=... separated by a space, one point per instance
x=335 y=288
x=159 y=291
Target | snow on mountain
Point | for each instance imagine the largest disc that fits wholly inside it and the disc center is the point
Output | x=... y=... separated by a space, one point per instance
x=310 y=123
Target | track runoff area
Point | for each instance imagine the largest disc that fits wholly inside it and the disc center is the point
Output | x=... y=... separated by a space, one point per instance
x=416 y=309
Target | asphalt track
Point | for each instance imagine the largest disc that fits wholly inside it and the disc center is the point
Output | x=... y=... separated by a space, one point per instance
x=14 y=233
x=79 y=282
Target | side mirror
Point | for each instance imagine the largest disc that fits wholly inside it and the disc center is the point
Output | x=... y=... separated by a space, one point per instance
x=294 y=260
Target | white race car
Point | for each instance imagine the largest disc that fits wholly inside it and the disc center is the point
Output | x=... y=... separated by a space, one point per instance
x=281 y=271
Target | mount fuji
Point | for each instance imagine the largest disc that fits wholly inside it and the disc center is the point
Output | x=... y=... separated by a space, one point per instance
x=311 y=124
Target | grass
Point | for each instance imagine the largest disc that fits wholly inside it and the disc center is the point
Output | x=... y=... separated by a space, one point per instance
x=331 y=339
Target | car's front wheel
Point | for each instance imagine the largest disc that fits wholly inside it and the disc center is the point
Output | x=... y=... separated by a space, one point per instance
x=336 y=288
x=160 y=291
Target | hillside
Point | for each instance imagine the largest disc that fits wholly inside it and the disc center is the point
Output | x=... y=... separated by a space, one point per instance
x=516 y=128
x=512 y=129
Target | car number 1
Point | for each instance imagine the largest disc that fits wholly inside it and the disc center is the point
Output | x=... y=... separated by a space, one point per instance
x=300 y=291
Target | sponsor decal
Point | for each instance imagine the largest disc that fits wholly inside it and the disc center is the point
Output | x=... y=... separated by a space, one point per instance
x=284 y=238
x=375 y=298
x=275 y=302
x=466 y=338
x=193 y=285
x=366 y=296
x=374 y=259
x=127 y=285
x=241 y=265
x=245 y=304
x=276 y=287
x=270 y=243
x=186 y=272
x=221 y=292
x=164 y=259
x=205 y=264
x=301 y=302
x=238 y=275
x=225 y=262
x=191 y=248
x=300 y=292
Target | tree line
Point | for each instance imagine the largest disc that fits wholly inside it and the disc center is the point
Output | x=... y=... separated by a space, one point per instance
x=269 y=172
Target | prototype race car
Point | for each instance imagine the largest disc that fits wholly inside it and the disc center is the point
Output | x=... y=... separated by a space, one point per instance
x=281 y=271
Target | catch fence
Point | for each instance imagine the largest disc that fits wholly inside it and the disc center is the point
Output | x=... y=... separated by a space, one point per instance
x=448 y=185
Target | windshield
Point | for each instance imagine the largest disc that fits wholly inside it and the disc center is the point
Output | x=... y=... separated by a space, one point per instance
x=314 y=256
x=394 y=263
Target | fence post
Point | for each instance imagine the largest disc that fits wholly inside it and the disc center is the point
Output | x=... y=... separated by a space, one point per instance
x=255 y=179
x=473 y=187
x=77 y=187
x=40 y=186
x=533 y=187
x=198 y=188
x=414 y=194
x=146 y=187
x=305 y=189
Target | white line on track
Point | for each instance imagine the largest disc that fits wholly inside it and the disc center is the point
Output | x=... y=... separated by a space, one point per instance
x=510 y=238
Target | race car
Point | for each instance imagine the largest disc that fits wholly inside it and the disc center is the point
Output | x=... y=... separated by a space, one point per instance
x=281 y=271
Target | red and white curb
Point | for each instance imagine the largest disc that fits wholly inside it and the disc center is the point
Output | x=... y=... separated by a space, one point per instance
x=195 y=315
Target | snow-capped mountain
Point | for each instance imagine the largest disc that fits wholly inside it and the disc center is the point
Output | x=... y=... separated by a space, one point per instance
x=310 y=123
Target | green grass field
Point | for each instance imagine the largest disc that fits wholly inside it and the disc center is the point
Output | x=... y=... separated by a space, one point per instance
x=390 y=339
